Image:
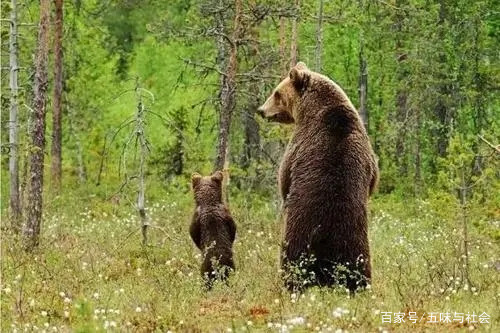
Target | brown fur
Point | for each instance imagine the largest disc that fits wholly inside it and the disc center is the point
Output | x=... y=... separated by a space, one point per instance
x=213 y=229
x=326 y=177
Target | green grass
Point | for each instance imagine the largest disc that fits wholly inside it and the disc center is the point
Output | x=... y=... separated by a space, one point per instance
x=92 y=274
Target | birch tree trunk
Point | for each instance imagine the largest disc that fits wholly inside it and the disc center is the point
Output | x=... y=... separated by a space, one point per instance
x=14 y=203
x=228 y=92
x=58 y=87
x=319 y=38
x=363 y=87
x=34 y=209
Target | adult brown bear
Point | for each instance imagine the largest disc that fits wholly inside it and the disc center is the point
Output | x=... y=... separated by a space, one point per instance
x=326 y=176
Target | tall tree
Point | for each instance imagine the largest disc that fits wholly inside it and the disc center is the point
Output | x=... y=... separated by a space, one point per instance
x=402 y=91
x=282 y=42
x=319 y=38
x=363 y=68
x=251 y=126
x=58 y=88
x=295 y=35
x=34 y=209
x=15 y=204
x=442 y=109
x=363 y=85
x=228 y=88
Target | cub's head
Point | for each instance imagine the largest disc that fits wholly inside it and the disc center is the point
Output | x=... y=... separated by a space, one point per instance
x=207 y=190
x=281 y=105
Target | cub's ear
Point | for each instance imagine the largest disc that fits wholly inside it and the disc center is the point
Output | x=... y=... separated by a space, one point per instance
x=299 y=78
x=195 y=179
x=217 y=176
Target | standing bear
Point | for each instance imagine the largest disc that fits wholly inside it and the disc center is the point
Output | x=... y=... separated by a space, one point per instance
x=212 y=229
x=326 y=176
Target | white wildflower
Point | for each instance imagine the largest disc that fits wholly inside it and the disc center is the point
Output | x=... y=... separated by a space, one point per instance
x=297 y=321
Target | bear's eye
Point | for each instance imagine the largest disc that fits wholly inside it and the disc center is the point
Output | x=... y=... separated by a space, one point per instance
x=277 y=95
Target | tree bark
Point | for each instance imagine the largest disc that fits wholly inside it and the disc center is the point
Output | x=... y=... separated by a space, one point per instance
x=251 y=144
x=442 y=109
x=282 y=41
x=228 y=92
x=363 y=87
x=140 y=121
x=34 y=209
x=293 y=43
x=401 y=93
x=319 y=37
x=56 y=171
x=14 y=203
x=178 y=153
x=418 y=152
x=479 y=102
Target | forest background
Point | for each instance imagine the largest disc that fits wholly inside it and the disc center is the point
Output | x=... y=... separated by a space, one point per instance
x=109 y=106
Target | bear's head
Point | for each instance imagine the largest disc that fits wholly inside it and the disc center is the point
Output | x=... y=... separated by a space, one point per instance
x=207 y=190
x=303 y=90
x=280 y=106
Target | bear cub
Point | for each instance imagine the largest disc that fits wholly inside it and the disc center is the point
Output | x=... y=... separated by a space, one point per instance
x=212 y=229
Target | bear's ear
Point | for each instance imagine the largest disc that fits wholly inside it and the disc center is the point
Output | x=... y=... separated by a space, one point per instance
x=299 y=78
x=195 y=179
x=301 y=66
x=217 y=176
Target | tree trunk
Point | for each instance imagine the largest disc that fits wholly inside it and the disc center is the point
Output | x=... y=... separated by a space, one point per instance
x=140 y=121
x=251 y=144
x=282 y=36
x=178 y=153
x=401 y=93
x=34 y=209
x=442 y=109
x=15 y=205
x=228 y=92
x=479 y=101
x=418 y=157
x=363 y=87
x=319 y=37
x=293 y=43
x=58 y=87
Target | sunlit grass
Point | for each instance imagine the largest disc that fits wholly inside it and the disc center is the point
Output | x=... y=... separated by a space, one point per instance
x=92 y=274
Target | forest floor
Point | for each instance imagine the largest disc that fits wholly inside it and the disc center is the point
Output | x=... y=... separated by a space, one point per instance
x=91 y=273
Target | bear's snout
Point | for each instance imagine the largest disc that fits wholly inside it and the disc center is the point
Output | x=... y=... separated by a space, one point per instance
x=260 y=112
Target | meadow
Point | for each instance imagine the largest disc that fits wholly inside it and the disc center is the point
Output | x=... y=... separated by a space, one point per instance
x=92 y=274
x=106 y=102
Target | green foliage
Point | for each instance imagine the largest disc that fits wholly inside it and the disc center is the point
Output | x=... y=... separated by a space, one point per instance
x=441 y=56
